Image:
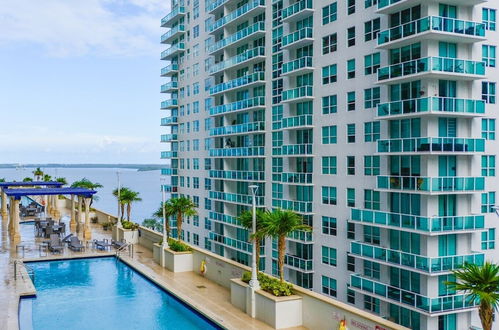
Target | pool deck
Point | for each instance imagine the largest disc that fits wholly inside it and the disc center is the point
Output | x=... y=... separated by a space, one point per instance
x=204 y=295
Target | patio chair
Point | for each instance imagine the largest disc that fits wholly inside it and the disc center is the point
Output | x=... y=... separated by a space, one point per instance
x=49 y=231
x=55 y=244
x=75 y=244
x=118 y=244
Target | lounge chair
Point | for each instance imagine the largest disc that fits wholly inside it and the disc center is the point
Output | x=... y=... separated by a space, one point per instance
x=67 y=238
x=55 y=244
x=118 y=244
x=75 y=244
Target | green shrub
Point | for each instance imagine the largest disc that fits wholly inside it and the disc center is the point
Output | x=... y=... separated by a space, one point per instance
x=130 y=225
x=107 y=225
x=270 y=284
x=178 y=246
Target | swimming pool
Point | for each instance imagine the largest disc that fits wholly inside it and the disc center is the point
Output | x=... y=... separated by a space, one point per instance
x=101 y=293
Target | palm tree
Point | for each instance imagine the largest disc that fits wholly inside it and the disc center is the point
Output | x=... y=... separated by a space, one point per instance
x=279 y=224
x=2 y=179
x=86 y=183
x=246 y=219
x=481 y=285
x=27 y=179
x=180 y=206
x=47 y=178
x=38 y=174
x=154 y=224
x=122 y=205
x=159 y=215
x=128 y=197
x=62 y=180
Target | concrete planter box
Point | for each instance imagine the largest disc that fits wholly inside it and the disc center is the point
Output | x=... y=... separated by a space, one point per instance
x=130 y=236
x=278 y=312
x=178 y=261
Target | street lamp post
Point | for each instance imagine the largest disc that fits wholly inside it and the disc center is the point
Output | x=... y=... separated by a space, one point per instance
x=118 y=224
x=253 y=284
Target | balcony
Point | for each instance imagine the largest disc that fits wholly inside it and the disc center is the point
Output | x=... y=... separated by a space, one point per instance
x=244 y=105
x=241 y=82
x=175 y=32
x=393 y=6
x=231 y=243
x=296 y=178
x=300 y=264
x=243 y=59
x=238 y=175
x=303 y=93
x=256 y=127
x=215 y=5
x=431 y=185
x=436 y=67
x=175 y=14
x=301 y=65
x=169 y=104
x=236 y=198
x=298 y=11
x=170 y=188
x=169 y=87
x=301 y=121
x=431 y=226
x=296 y=149
x=238 y=152
x=253 y=7
x=169 y=154
x=169 y=137
x=298 y=38
x=169 y=171
x=255 y=30
x=173 y=51
x=432 y=28
x=297 y=206
x=226 y=219
x=414 y=262
x=441 y=106
x=168 y=121
x=301 y=236
x=169 y=70
x=431 y=145
x=411 y=300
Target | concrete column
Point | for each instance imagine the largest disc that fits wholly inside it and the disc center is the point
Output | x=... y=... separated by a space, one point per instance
x=4 y=206
x=16 y=234
x=57 y=214
x=48 y=208
x=11 y=215
x=72 y=222
x=87 y=234
x=78 y=221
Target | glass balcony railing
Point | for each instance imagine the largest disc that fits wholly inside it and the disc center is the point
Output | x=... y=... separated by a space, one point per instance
x=247 y=104
x=221 y=217
x=297 y=121
x=169 y=154
x=432 y=23
x=238 y=129
x=236 y=14
x=295 y=65
x=179 y=47
x=297 y=262
x=429 y=225
x=169 y=171
x=432 y=64
x=215 y=4
x=296 y=8
x=431 y=265
x=170 y=188
x=238 y=82
x=297 y=149
x=304 y=33
x=169 y=137
x=400 y=296
x=170 y=86
x=167 y=121
x=169 y=70
x=297 y=93
x=297 y=206
x=238 y=152
x=180 y=10
x=234 y=243
x=238 y=175
x=431 y=184
x=294 y=177
x=240 y=58
x=171 y=103
x=431 y=144
x=436 y=105
x=244 y=33
x=236 y=198
x=174 y=30
x=299 y=235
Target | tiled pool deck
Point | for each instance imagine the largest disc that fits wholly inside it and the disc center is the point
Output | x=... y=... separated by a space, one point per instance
x=208 y=297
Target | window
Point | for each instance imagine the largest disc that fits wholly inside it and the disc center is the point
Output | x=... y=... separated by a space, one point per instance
x=350 y=197
x=329 y=195
x=489 y=165
x=350 y=296
x=329 y=43
x=351 y=101
x=329 y=134
x=372 y=199
x=329 y=74
x=328 y=256
x=329 y=104
x=329 y=13
x=351 y=133
x=351 y=165
x=489 y=55
x=329 y=165
x=207 y=184
x=489 y=92
x=195 y=126
x=195 y=88
x=371 y=304
x=207 y=244
x=372 y=97
x=195 y=239
x=207 y=223
x=372 y=269
x=488 y=202
x=195 y=163
x=195 y=182
x=489 y=18
x=372 y=29
x=351 y=36
x=195 y=31
x=370 y=3
x=207 y=164
x=489 y=239
x=372 y=131
x=350 y=230
x=372 y=63
x=329 y=286
x=195 y=69
x=372 y=235
x=207 y=203
x=329 y=226
x=371 y=165
x=351 y=69
x=350 y=7
x=488 y=128
x=351 y=263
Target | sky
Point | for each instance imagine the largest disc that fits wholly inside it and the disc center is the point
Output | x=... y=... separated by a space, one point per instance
x=79 y=81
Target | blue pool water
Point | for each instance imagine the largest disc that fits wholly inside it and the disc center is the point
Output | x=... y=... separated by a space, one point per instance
x=101 y=293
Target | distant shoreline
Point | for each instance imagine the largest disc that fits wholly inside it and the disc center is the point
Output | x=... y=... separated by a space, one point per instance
x=139 y=167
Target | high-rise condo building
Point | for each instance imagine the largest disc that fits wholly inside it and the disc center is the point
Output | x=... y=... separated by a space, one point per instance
x=373 y=119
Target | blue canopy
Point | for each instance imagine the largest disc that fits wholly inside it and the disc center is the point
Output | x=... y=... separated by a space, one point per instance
x=18 y=193
x=31 y=184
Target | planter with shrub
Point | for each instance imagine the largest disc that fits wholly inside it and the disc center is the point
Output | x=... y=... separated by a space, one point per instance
x=178 y=256
x=128 y=232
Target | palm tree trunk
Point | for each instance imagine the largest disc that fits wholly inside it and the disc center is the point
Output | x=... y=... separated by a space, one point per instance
x=128 y=210
x=281 y=247
x=179 y=226
x=122 y=211
x=486 y=314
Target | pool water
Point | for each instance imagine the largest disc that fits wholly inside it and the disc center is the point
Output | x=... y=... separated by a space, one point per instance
x=101 y=293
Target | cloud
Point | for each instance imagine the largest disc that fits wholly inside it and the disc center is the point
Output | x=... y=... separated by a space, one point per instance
x=66 y=28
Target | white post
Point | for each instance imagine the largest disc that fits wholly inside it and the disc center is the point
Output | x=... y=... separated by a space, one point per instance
x=254 y=284
x=165 y=237
x=118 y=224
